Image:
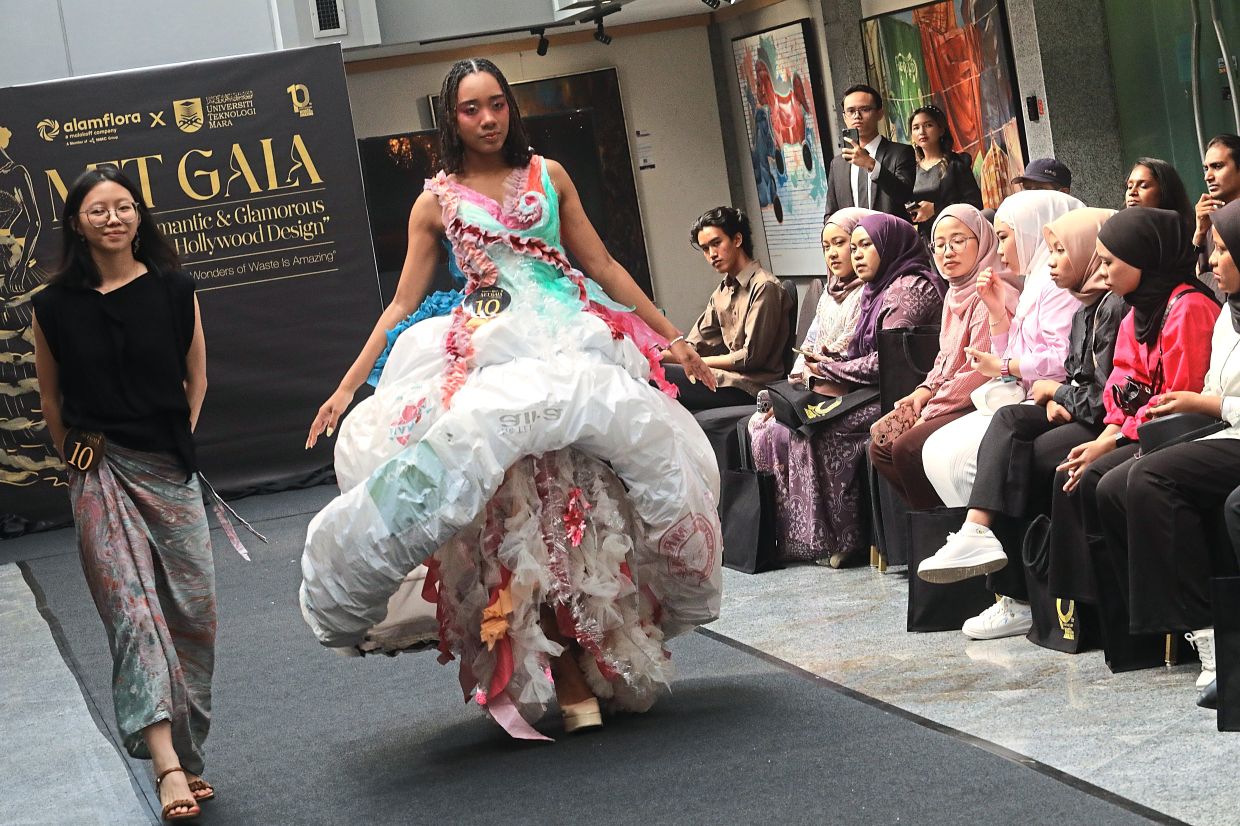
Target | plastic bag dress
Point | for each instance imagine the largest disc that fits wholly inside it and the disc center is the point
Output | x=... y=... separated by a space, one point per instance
x=517 y=448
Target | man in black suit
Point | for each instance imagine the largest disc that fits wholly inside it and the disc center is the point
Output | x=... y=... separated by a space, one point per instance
x=871 y=172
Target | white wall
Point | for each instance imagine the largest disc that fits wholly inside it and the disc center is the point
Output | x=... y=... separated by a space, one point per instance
x=49 y=39
x=32 y=44
x=667 y=88
x=776 y=15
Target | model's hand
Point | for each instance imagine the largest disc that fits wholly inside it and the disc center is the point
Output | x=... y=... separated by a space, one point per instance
x=1043 y=391
x=695 y=368
x=917 y=399
x=987 y=364
x=1082 y=456
x=1184 y=401
x=329 y=416
x=1056 y=413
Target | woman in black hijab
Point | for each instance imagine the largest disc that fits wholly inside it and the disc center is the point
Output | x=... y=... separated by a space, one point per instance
x=1163 y=346
x=1159 y=513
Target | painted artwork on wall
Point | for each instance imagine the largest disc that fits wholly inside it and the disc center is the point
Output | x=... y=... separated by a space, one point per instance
x=955 y=54
x=777 y=71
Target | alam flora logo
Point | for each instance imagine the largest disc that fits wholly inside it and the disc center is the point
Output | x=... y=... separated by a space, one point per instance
x=95 y=128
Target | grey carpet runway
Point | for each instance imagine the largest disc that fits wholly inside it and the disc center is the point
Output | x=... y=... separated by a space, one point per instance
x=303 y=736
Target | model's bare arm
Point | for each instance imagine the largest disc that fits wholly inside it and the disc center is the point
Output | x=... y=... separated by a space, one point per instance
x=425 y=230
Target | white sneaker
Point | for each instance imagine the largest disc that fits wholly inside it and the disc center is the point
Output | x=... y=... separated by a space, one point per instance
x=1203 y=641
x=1006 y=618
x=972 y=551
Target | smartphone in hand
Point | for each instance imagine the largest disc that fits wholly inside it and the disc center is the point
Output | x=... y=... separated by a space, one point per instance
x=847 y=135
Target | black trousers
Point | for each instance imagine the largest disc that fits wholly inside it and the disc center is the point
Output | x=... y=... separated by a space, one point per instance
x=1015 y=472
x=1075 y=527
x=1159 y=516
x=698 y=397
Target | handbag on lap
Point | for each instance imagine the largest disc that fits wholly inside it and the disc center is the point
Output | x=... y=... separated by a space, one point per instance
x=1176 y=428
x=804 y=410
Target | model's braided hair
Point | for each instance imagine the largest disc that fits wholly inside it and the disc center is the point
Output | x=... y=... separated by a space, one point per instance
x=516 y=149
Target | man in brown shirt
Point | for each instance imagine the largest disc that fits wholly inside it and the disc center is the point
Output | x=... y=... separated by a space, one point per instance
x=743 y=331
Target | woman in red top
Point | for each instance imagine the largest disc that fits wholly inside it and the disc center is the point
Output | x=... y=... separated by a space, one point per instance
x=1163 y=345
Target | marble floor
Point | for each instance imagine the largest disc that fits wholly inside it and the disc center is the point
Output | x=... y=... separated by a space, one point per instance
x=1138 y=735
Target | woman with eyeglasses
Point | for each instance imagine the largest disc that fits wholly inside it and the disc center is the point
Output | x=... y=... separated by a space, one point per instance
x=515 y=448
x=121 y=364
x=966 y=253
x=943 y=176
x=819 y=479
x=1163 y=346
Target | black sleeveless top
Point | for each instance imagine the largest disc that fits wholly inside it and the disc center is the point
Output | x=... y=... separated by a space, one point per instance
x=121 y=359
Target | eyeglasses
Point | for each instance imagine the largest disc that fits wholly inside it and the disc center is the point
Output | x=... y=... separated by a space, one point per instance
x=859 y=110
x=97 y=216
x=955 y=243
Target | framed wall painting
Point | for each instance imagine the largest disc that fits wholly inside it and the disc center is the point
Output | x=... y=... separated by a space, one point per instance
x=777 y=70
x=956 y=54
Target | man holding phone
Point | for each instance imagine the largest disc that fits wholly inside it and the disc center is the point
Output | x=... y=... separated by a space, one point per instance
x=870 y=171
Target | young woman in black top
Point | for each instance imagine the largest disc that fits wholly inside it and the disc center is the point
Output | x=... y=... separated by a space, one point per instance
x=943 y=177
x=122 y=373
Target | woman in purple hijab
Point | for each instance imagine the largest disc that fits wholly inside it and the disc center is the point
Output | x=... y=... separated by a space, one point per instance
x=819 y=478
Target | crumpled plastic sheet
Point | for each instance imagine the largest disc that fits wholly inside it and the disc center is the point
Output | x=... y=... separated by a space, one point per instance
x=413 y=474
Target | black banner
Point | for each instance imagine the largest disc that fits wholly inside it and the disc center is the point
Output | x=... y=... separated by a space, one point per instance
x=250 y=167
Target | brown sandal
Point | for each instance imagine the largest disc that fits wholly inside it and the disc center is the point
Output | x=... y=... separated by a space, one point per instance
x=191 y=804
x=203 y=791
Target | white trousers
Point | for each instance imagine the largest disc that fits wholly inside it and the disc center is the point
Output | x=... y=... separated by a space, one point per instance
x=949 y=458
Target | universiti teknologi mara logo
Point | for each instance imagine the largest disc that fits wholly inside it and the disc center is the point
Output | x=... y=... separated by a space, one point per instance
x=188 y=114
x=48 y=129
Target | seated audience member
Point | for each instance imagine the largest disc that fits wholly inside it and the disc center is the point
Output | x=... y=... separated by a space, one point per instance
x=873 y=172
x=835 y=317
x=1163 y=345
x=743 y=331
x=1155 y=183
x=965 y=246
x=1033 y=345
x=943 y=177
x=1222 y=175
x=1045 y=173
x=1154 y=512
x=1024 y=443
x=819 y=479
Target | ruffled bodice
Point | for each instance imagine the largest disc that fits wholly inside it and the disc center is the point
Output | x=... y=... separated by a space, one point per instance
x=514 y=247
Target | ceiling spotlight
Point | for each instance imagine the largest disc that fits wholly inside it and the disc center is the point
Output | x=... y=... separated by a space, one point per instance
x=543 y=42
x=714 y=4
x=602 y=36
